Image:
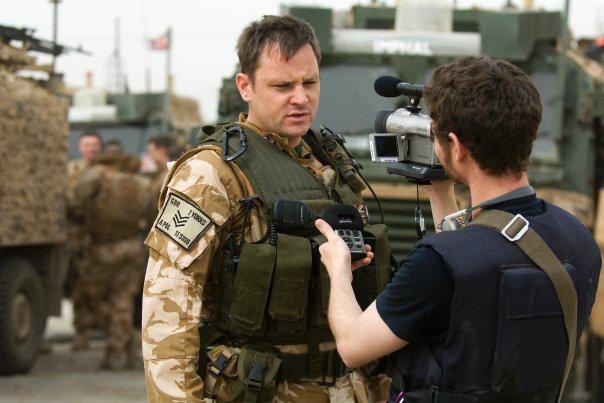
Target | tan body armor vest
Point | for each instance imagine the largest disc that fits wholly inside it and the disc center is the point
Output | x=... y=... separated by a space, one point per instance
x=122 y=201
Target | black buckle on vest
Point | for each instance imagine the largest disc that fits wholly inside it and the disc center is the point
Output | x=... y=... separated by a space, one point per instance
x=217 y=367
x=225 y=143
x=256 y=376
x=221 y=362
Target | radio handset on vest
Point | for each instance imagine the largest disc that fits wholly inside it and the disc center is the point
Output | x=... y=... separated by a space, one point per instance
x=293 y=216
x=348 y=224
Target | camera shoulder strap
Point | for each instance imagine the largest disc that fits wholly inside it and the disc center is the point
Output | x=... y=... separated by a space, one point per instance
x=516 y=229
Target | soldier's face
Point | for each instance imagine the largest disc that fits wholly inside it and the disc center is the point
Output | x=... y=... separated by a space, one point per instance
x=284 y=94
x=90 y=147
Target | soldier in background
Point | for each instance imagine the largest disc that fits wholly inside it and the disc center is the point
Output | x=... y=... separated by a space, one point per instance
x=113 y=199
x=158 y=148
x=90 y=145
x=176 y=151
x=114 y=146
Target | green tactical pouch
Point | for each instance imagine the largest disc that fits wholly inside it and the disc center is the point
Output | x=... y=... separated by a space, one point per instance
x=251 y=288
x=322 y=276
x=289 y=296
x=381 y=249
x=221 y=378
x=257 y=371
x=370 y=280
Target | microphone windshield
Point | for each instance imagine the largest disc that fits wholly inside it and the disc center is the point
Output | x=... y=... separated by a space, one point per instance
x=386 y=86
x=343 y=216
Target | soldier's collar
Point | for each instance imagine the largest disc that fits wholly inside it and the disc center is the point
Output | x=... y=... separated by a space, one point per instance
x=274 y=138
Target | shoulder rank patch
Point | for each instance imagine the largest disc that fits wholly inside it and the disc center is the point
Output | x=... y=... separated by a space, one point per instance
x=182 y=221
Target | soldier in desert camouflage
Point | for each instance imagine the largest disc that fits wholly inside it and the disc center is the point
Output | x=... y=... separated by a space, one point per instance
x=89 y=146
x=158 y=148
x=113 y=199
x=205 y=300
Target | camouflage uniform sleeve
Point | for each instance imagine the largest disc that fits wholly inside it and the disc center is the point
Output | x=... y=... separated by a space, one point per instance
x=175 y=278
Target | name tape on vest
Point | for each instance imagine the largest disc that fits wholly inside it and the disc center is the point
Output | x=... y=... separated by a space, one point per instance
x=182 y=221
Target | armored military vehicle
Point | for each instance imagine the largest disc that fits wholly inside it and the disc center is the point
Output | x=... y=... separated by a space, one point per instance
x=567 y=163
x=33 y=185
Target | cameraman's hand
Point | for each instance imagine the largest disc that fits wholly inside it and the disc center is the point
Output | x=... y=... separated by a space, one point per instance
x=335 y=254
x=442 y=199
x=440 y=188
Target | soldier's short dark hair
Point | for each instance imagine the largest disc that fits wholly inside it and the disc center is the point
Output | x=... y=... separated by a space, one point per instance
x=91 y=133
x=493 y=108
x=163 y=141
x=176 y=151
x=285 y=34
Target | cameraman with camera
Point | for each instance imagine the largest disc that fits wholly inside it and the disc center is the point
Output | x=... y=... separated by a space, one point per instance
x=491 y=307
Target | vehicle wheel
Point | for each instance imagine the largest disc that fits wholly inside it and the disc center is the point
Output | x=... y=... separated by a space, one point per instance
x=22 y=315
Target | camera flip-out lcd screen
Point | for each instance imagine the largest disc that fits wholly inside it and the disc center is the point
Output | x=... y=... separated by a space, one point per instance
x=385 y=146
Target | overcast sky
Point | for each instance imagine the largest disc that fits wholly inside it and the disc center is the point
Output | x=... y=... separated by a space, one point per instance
x=204 y=35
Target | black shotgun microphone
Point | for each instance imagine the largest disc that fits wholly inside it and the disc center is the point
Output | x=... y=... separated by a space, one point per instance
x=389 y=87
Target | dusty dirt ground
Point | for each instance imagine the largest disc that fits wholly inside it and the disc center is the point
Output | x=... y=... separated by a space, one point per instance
x=62 y=375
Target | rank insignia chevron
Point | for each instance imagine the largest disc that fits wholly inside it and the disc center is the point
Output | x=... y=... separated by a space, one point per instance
x=179 y=220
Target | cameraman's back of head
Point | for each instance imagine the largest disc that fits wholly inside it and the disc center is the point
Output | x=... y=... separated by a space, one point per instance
x=491 y=106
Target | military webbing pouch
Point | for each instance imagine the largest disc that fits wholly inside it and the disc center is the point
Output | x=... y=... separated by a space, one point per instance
x=257 y=372
x=381 y=249
x=221 y=374
x=289 y=296
x=283 y=272
x=322 y=277
x=251 y=288
x=370 y=280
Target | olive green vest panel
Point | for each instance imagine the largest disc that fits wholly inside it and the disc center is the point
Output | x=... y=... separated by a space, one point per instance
x=279 y=293
x=272 y=173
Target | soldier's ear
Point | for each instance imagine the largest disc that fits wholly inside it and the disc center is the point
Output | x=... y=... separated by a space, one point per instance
x=244 y=85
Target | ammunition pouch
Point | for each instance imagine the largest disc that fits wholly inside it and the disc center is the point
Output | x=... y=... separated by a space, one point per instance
x=254 y=370
x=280 y=293
x=221 y=374
x=257 y=371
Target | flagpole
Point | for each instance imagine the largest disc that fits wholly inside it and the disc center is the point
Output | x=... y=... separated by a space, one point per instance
x=169 y=62
x=168 y=78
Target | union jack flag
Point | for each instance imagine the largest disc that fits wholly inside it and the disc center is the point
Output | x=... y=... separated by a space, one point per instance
x=161 y=42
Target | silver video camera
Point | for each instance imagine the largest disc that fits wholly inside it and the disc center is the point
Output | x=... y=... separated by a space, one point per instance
x=404 y=137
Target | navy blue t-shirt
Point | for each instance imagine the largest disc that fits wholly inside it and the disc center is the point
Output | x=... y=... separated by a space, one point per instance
x=416 y=303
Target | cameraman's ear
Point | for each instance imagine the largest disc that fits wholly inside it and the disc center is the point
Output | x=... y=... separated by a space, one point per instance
x=244 y=85
x=459 y=150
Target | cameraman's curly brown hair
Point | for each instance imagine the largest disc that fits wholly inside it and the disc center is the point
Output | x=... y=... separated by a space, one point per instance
x=492 y=107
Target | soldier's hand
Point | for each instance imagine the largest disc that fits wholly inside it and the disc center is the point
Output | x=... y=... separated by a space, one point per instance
x=335 y=254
